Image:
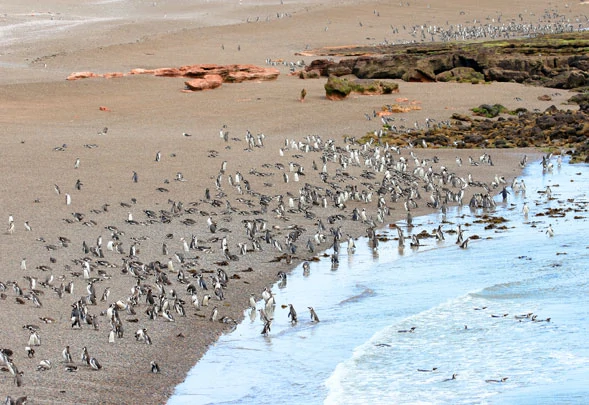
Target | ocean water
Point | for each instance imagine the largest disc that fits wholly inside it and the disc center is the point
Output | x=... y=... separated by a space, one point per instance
x=462 y=303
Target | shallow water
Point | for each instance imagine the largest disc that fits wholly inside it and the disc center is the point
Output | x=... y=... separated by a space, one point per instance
x=356 y=354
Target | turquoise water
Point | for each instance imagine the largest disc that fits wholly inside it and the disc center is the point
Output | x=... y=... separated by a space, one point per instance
x=356 y=354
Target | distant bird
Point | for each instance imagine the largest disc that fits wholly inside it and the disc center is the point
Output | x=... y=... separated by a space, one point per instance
x=68 y=199
x=67 y=357
x=155 y=368
x=451 y=379
x=314 y=317
x=464 y=243
x=158 y=156
x=550 y=231
x=214 y=315
x=94 y=364
x=27 y=226
x=292 y=314
x=18 y=401
x=77 y=163
x=267 y=325
x=502 y=380
x=303 y=95
x=44 y=365
x=135 y=177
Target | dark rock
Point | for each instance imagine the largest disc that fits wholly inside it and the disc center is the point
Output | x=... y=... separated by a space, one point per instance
x=558 y=61
x=338 y=88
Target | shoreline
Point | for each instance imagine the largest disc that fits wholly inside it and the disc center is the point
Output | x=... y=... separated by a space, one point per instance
x=268 y=353
x=49 y=123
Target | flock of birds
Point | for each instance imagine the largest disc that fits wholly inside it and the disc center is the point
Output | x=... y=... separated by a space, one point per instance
x=348 y=186
x=350 y=182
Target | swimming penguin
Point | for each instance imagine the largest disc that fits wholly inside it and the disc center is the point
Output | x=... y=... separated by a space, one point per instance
x=502 y=380
x=427 y=370
x=314 y=317
x=451 y=379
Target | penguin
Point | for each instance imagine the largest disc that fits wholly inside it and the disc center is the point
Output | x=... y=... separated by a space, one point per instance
x=155 y=368
x=94 y=364
x=314 y=317
x=292 y=314
x=267 y=325
x=214 y=315
x=34 y=339
x=85 y=357
x=44 y=365
x=306 y=269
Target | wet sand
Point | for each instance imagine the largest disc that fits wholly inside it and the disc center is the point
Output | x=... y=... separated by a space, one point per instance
x=40 y=111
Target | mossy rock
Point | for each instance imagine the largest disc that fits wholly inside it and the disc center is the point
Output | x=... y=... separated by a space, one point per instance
x=462 y=75
x=338 y=88
x=490 y=111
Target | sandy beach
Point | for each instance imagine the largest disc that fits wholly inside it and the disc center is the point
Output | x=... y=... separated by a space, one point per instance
x=47 y=123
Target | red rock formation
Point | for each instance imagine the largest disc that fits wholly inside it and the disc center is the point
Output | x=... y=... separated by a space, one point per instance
x=207 y=82
x=205 y=76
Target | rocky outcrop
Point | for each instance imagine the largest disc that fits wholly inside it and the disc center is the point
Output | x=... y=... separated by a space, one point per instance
x=553 y=128
x=204 y=76
x=207 y=82
x=557 y=61
x=338 y=88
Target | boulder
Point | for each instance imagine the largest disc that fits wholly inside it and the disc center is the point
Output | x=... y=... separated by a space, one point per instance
x=568 y=80
x=461 y=74
x=208 y=82
x=338 y=88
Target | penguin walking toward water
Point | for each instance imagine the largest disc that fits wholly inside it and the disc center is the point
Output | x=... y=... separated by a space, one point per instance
x=314 y=317
x=292 y=314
